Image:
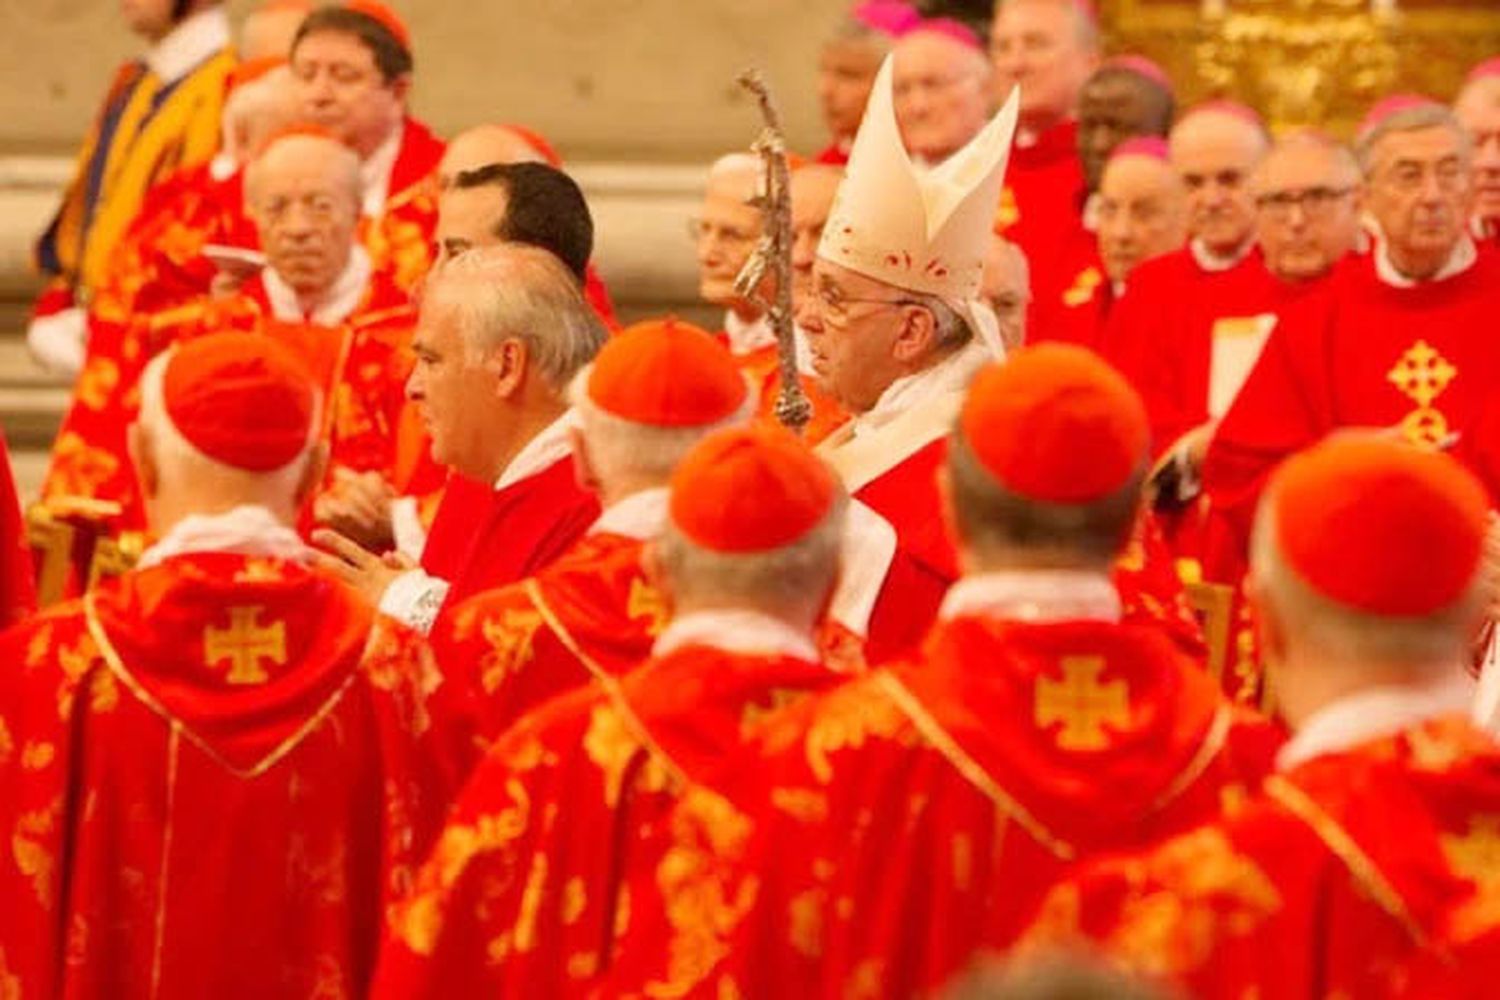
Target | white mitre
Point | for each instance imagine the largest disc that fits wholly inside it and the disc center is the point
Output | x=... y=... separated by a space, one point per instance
x=925 y=231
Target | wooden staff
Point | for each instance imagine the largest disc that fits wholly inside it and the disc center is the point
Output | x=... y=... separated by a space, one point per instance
x=773 y=253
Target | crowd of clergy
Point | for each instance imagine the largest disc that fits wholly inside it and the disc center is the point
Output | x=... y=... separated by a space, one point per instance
x=1118 y=625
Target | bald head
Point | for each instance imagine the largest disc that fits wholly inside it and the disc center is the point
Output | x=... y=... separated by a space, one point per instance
x=1006 y=288
x=304 y=194
x=268 y=30
x=942 y=92
x=1478 y=110
x=256 y=111
x=1118 y=104
x=1048 y=48
x=1142 y=212
x=481 y=146
x=1215 y=152
x=728 y=227
x=1307 y=206
x=813 y=189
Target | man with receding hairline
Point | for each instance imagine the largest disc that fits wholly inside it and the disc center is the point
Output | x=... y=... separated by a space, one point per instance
x=942 y=88
x=1307 y=198
x=1478 y=109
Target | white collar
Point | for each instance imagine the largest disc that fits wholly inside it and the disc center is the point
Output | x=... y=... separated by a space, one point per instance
x=550 y=446
x=337 y=303
x=1368 y=715
x=375 y=172
x=196 y=39
x=641 y=516
x=223 y=166
x=748 y=337
x=1212 y=262
x=1053 y=595
x=740 y=630
x=248 y=530
x=1460 y=260
x=952 y=374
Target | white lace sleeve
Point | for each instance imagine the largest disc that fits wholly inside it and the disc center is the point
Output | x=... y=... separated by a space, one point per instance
x=414 y=599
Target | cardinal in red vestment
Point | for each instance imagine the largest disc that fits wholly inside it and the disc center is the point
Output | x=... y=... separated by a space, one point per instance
x=491 y=379
x=1364 y=867
x=905 y=819
x=219 y=768
x=527 y=889
x=1394 y=339
x=318 y=294
x=652 y=393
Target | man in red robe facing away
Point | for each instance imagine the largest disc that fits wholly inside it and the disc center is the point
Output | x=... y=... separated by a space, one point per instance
x=654 y=391
x=318 y=294
x=503 y=331
x=917 y=813
x=1048 y=48
x=1364 y=867
x=1395 y=339
x=223 y=738
x=526 y=891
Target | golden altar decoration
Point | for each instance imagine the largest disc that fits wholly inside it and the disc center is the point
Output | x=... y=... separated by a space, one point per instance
x=1308 y=62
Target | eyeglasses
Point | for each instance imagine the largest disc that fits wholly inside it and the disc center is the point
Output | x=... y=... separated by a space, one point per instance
x=1314 y=202
x=1408 y=176
x=834 y=304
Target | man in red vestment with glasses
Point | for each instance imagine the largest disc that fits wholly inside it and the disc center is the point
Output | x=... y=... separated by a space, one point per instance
x=217 y=770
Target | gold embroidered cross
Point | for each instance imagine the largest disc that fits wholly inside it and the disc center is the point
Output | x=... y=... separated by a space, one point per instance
x=244 y=644
x=645 y=602
x=1081 y=704
x=1422 y=375
x=1476 y=854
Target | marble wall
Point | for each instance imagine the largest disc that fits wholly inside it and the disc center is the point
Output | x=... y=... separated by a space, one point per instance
x=606 y=79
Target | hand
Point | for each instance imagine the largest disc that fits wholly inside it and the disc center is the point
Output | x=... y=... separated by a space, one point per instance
x=365 y=572
x=358 y=506
x=1490 y=567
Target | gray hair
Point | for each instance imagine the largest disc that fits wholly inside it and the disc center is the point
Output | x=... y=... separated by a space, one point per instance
x=620 y=448
x=1413 y=119
x=992 y=519
x=517 y=292
x=346 y=163
x=179 y=458
x=794 y=578
x=951 y=329
x=1324 y=623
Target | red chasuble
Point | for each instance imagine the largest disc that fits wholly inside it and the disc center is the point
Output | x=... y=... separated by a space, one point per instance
x=515 y=532
x=1369 y=873
x=1041 y=207
x=913 y=815
x=1072 y=306
x=1187 y=337
x=590 y=615
x=213 y=778
x=1356 y=353
x=362 y=366
x=524 y=894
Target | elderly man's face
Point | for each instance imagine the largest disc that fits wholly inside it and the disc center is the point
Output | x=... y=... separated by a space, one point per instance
x=1036 y=45
x=1307 y=200
x=469 y=218
x=454 y=393
x=306 y=212
x=1479 y=113
x=942 y=95
x=852 y=323
x=1419 y=190
x=813 y=188
x=846 y=74
x=1006 y=288
x=1142 y=213
x=727 y=229
x=1114 y=106
x=342 y=90
x=1214 y=155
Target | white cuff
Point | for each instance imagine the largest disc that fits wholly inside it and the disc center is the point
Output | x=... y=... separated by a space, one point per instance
x=414 y=599
x=406 y=527
x=58 y=341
